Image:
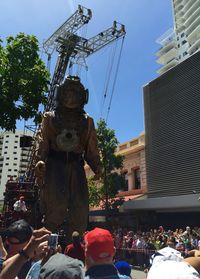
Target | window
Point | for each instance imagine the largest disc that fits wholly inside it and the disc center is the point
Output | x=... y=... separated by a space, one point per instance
x=14 y=164
x=9 y=170
x=16 y=136
x=184 y=42
x=7 y=136
x=137 y=178
x=126 y=181
x=5 y=152
x=6 y=146
x=7 y=164
x=16 y=141
x=6 y=141
x=15 y=146
x=14 y=152
x=182 y=35
x=7 y=158
x=15 y=158
x=15 y=170
x=185 y=53
x=177 y=38
x=178 y=45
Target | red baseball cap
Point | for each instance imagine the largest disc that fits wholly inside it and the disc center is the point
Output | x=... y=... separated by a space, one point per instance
x=99 y=244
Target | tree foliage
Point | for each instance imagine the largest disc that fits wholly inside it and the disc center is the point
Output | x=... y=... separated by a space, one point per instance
x=23 y=80
x=103 y=193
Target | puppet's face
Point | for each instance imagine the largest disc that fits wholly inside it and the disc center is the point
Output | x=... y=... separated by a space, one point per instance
x=71 y=94
x=71 y=97
x=67 y=140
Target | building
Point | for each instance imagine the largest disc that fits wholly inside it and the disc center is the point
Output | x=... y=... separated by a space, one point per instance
x=183 y=40
x=13 y=158
x=172 y=149
x=134 y=166
x=134 y=169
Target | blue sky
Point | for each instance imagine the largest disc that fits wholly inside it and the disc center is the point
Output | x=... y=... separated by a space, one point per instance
x=145 y=21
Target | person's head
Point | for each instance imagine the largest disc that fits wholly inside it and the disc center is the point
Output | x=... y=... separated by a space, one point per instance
x=123 y=267
x=17 y=236
x=170 y=269
x=21 y=198
x=71 y=93
x=171 y=242
x=76 y=237
x=99 y=247
x=188 y=229
x=60 y=266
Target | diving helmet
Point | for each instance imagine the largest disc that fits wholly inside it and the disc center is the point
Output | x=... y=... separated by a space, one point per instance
x=71 y=93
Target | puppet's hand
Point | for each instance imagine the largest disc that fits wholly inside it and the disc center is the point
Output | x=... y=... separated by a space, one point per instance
x=98 y=173
x=40 y=172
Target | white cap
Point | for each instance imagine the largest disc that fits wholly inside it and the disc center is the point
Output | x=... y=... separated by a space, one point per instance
x=172 y=270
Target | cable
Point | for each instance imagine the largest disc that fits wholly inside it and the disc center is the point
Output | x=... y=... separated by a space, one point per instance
x=108 y=74
x=115 y=78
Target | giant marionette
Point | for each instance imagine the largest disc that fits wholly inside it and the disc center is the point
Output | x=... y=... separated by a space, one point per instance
x=67 y=138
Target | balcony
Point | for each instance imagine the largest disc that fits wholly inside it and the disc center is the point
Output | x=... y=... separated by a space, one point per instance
x=194 y=34
x=166 y=48
x=194 y=47
x=168 y=66
x=176 y=2
x=191 y=7
x=168 y=56
x=192 y=18
x=178 y=7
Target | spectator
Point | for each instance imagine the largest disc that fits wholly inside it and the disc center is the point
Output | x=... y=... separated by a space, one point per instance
x=17 y=236
x=75 y=249
x=60 y=266
x=20 y=205
x=168 y=264
x=3 y=252
x=99 y=253
x=124 y=268
x=13 y=266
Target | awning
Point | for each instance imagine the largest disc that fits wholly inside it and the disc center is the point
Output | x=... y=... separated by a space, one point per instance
x=98 y=211
x=181 y=203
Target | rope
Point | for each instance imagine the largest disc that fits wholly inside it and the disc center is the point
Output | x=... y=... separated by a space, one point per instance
x=115 y=78
x=108 y=75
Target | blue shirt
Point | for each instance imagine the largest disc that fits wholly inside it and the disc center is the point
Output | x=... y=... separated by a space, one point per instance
x=107 y=271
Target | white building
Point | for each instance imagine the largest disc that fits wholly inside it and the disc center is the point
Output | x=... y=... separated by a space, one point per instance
x=183 y=40
x=13 y=159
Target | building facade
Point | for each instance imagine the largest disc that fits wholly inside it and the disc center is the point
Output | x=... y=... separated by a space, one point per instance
x=13 y=158
x=134 y=167
x=172 y=148
x=183 y=40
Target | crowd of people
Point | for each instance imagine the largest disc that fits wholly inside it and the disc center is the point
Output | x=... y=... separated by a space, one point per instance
x=26 y=253
x=138 y=246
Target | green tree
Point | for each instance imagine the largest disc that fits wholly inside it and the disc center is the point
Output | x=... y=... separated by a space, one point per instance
x=23 y=80
x=103 y=192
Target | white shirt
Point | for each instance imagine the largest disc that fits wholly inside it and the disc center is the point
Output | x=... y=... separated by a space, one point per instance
x=20 y=206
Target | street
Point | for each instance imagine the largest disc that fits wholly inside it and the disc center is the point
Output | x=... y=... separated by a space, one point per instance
x=137 y=274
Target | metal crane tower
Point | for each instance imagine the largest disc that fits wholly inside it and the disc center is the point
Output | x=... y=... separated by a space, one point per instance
x=71 y=46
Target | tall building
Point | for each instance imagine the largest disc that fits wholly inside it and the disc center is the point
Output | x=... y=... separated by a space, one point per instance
x=183 y=40
x=13 y=158
x=172 y=149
